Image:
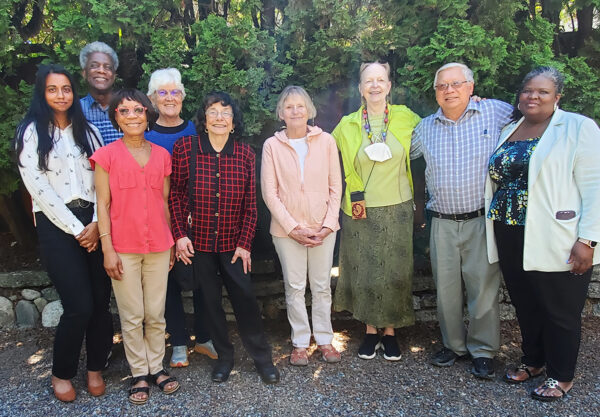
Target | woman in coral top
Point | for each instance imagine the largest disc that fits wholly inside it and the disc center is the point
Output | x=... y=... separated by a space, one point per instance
x=132 y=186
x=301 y=184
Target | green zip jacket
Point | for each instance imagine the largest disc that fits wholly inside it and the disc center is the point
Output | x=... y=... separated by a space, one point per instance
x=348 y=136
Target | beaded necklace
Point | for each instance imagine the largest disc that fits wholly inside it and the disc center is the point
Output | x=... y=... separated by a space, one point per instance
x=367 y=124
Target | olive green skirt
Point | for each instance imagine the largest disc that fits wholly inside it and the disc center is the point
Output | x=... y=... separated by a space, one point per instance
x=376 y=267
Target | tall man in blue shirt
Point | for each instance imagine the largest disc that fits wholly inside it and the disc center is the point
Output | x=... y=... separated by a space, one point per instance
x=99 y=64
x=457 y=142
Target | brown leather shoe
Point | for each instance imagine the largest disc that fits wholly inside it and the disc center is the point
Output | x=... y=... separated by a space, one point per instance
x=96 y=390
x=67 y=396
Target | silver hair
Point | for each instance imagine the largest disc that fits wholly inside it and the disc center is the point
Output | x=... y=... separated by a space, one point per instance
x=164 y=76
x=551 y=73
x=366 y=65
x=294 y=89
x=97 y=46
x=465 y=70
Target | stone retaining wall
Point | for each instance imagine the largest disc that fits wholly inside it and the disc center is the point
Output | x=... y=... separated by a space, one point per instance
x=30 y=300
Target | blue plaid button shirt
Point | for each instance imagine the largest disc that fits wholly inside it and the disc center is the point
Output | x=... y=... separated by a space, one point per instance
x=99 y=118
x=457 y=154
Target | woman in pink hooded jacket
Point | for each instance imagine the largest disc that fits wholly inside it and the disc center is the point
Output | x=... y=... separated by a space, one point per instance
x=302 y=186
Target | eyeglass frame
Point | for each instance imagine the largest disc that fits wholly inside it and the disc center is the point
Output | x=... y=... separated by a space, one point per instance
x=454 y=84
x=124 y=111
x=173 y=93
x=215 y=113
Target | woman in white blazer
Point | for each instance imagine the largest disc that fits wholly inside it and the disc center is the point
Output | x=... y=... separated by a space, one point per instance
x=542 y=197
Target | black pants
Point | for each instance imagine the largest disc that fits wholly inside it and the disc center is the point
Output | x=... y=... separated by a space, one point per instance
x=84 y=290
x=548 y=305
x=175 y=315
x=245 y=307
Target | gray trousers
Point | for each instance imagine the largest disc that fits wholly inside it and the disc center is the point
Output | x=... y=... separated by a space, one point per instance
x=459 y=254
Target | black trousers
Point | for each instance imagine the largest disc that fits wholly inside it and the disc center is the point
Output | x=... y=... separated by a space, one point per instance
x=175 y=315
x=548 y=305
x=84 y=289
x=243 y=301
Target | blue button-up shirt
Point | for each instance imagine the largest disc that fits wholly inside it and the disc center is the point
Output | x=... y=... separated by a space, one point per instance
x=98 y=116
x=457 y=154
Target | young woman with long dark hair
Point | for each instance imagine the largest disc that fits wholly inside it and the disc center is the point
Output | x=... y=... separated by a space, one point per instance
x=53 y=144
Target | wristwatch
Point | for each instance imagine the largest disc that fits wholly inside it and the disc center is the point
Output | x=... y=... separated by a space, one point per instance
x=587 y=242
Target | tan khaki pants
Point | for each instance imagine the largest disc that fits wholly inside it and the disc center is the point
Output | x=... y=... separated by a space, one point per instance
x=297 y=262
x=459 y=255
x=141 y=301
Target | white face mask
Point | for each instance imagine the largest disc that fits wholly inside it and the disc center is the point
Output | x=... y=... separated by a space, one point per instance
x=378 y=152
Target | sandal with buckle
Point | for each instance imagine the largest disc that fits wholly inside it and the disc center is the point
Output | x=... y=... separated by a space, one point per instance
x=524 y=368
x=135 y=390
x=548 y=384
x=330 y=354
x=162 y=384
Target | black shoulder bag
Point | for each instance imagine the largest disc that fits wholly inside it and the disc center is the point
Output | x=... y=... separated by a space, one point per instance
x=184 y=274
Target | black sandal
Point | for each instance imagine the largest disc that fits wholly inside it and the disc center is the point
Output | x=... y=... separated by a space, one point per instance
x=135 y=390
x=163 y=384
x=521 y=367
x=549 y=383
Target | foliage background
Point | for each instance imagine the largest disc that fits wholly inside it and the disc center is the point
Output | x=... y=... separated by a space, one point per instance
x=254 y=48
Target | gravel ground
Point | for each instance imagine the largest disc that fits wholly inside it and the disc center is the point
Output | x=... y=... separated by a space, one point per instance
x=354 y=387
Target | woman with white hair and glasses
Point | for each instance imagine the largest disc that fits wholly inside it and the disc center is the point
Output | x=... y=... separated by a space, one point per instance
x=166 y=92
x=302 y=186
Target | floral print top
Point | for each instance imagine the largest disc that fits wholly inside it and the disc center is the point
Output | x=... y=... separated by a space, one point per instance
x=508 y=168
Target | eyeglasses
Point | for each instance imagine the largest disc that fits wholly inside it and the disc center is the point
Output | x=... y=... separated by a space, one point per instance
x=454 y=84
x=105 y=67
x=124 y=111
x=173 y=93
x=224 y=114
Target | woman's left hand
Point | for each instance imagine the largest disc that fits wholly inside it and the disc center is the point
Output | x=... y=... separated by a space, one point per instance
x=581 y=257
x=88 y=238
x=322 y=234
x=172 y=258
x=244 y=255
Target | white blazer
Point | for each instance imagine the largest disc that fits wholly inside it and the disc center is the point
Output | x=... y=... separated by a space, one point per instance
x=564 y=174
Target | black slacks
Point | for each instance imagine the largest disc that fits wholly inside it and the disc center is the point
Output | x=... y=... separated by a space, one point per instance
x=84 y=289
x=243 y=301
x=175 y=315
x=548 y=306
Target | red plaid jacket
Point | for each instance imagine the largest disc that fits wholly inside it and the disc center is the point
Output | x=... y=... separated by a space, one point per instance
x=224 y=190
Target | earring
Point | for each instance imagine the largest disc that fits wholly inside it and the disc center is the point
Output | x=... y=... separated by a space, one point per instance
x=232 y=131
x=148 y=127
x=205 y=130
x=119 y=129
x=555 y=106
x=519 y=106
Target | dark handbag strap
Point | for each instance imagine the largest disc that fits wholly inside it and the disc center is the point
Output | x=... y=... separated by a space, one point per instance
x=192 y=179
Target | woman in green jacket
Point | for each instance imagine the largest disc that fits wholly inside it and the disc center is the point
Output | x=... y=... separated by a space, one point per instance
x=376 y=252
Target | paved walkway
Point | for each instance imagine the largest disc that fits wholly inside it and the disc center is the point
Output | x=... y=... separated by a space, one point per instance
x=353 y=387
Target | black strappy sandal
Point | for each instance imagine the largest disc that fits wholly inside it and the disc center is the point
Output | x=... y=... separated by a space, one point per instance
x=549 y=383
x=521 y=367
x=135 y=390
x=164 y=383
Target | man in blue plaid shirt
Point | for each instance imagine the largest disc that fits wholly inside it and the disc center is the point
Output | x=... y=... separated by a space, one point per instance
x=99 y=64
x=457 y=142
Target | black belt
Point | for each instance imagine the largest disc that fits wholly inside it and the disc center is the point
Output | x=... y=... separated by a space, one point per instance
x=458 y=217
x=79 y=203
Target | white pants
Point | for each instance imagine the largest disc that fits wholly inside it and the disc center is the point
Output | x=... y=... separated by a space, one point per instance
x=296 y=262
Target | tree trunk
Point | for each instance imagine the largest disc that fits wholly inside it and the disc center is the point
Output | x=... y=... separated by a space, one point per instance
x=585 y=20
x=267 y=17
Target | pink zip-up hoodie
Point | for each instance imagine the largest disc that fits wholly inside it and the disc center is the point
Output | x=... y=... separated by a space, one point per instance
x=314 y=202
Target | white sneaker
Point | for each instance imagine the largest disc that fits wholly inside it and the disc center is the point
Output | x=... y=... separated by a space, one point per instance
x=207 y=349
x=179 y=358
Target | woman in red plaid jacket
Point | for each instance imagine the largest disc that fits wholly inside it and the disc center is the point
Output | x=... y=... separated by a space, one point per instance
x=223 y=217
